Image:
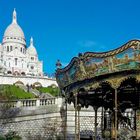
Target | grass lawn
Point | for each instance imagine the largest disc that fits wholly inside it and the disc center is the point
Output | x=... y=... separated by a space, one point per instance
x=13 y=92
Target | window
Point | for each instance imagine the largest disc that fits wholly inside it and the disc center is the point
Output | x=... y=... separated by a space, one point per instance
x=22 y=62
x=32 y=58
x=11 y=48
x=7 y=48
x=16 y=61
x=32 y=67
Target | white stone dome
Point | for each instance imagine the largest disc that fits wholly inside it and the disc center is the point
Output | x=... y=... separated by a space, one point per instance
x=32 y=50
x=13 y=32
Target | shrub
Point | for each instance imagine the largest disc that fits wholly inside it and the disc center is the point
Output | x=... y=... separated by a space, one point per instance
x=12 y=135
x=52 y=90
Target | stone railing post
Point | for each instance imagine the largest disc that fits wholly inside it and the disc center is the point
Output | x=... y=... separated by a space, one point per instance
x=18 y=104
x=38 y=102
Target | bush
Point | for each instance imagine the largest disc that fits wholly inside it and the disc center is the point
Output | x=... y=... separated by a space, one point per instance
x=52 y=90
x=12 y=135
x=2 y=137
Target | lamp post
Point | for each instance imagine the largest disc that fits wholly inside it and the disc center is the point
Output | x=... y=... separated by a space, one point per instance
x=58 y=64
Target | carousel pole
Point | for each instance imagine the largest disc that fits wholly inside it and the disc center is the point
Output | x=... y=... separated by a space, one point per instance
x=65 y=133
x=138 y=119
x=79 y=108
x=95 y=127
x=116 y=108
x=75 y=116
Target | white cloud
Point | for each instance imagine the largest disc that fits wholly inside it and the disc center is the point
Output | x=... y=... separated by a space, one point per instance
x=92 y=44
x=87 y=43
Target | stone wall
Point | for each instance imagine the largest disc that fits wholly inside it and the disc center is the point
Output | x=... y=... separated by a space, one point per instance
x=30 y=80
x=44 y=119
x=31 y=122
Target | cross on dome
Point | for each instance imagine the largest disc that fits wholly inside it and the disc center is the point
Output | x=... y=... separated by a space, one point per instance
x=14 y=16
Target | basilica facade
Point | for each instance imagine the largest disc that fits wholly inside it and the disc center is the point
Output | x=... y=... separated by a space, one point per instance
x=15 y=57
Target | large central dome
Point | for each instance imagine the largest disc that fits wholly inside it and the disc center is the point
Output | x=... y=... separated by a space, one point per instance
x=14 y=31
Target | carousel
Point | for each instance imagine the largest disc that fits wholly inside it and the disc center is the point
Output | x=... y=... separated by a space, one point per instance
x=108 y=81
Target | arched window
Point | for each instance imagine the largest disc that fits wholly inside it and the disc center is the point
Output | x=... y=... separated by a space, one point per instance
x=9 y=72
x=16 y=61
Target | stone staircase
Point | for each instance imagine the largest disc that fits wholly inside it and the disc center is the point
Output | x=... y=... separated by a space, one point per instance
x=36 y=92
x=31 y=90
x=46 y=95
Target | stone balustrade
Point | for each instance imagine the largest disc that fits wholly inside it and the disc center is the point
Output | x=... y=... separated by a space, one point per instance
x=28 y=102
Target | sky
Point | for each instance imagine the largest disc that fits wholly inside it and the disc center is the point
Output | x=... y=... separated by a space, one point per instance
x=64 y=28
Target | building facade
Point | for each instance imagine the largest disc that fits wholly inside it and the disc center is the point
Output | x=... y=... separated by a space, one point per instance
x=15 y=57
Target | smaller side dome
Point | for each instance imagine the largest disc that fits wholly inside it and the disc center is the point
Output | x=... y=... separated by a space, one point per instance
x=32 y=50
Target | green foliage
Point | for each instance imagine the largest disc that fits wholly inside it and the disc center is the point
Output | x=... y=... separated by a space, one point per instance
x=2 y=137
x=50 y=89
x=8 y=92
x=12 y=136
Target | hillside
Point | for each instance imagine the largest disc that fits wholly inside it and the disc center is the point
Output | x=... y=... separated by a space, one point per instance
x=13 y=92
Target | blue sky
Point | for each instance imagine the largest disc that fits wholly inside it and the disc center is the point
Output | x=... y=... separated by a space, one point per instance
x=63 y=28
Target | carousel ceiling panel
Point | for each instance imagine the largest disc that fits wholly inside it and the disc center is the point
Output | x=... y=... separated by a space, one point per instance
x=90 y=64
